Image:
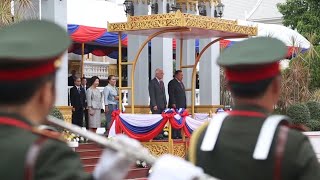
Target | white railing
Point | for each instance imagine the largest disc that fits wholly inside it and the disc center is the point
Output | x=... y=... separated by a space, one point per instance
x=93 y=68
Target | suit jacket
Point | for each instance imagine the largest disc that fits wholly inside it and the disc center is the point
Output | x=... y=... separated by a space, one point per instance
x=78 y=100
x=94 y=98
x=70 y=81
x=232 y=156
x=157 y=95
x=177 y=94
x=55 y=160
x=85 y=92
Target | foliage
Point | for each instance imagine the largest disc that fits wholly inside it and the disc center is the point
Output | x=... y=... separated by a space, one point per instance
x=278 y=111
x=314 y=60
x=316 y=95
x=299 y=113
x=314 y=125
x=314 y=109
x=303 y=15
x=295 y=83
x=55 y=112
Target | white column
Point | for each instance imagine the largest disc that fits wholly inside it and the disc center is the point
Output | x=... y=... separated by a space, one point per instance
x=209 y=71
x=161 y=52
x=56 y=11
x=188 y=53
x=142 y=66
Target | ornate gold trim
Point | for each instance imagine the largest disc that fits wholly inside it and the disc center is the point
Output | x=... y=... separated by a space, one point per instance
x=66 y=113
x=178 y=19
x=211 y=2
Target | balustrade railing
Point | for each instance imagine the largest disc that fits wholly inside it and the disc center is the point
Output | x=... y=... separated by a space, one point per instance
x=92 y=68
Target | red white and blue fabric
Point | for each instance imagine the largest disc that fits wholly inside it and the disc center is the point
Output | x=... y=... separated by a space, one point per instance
x=104 y=42
x=145 y=127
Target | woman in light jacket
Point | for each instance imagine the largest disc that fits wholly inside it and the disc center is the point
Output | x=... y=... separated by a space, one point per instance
x=94 y=100
x=111 y=99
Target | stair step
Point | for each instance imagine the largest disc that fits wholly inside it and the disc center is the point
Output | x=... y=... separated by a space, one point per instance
x=138 y=173
x=132 y=174
x=89 y=153
x=89 y=168
x=90 y=160
x=83 y=146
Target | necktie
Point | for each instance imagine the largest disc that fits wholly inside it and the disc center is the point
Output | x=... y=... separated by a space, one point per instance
x=181 y=83
x=161 y=85
x=78 y=90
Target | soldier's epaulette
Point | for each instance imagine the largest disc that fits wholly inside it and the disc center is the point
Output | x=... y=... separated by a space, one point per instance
x=49 y=134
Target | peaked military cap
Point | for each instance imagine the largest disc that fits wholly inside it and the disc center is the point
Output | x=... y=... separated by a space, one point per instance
x=31 y=49
x=253 y=59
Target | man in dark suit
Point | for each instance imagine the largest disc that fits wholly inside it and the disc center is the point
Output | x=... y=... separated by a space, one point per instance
x=84 y=88
x=77 y=98
x=158 y=100
x=177 y=96
x=72 y=78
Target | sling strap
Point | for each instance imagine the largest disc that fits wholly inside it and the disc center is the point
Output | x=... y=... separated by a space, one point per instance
x=33 y=151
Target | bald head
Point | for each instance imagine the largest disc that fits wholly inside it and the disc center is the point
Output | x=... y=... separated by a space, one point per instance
x=159 y=73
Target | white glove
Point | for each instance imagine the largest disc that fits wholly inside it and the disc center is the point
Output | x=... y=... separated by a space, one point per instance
x=170 y=167
x=115 y=165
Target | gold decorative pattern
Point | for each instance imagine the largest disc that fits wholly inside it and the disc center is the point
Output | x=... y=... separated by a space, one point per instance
x=189 y=4
x=177 y=15
x=211 y=2
x=66 y=113
x=178 y=19
x=157 y=148
x=179 y=149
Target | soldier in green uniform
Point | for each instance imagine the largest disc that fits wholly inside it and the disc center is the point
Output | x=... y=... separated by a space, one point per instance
x=247 y=143
x=30 y=54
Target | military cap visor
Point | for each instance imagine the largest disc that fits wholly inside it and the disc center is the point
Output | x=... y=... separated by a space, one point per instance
x=253 y=51
x=35 y=42
x=253 y=59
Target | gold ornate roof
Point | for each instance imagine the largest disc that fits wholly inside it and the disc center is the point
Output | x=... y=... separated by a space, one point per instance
x=201 y=26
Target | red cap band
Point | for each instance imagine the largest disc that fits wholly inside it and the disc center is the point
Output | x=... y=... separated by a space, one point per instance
x=30 y=72
x=250 y=75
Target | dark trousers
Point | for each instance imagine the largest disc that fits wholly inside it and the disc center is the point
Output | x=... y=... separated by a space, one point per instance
x=159 y=111
x=86 y=118
x=77 y=117
x=176 y=134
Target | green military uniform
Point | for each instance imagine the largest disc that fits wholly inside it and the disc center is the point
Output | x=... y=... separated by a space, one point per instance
x=232 y=155
x=39 y=43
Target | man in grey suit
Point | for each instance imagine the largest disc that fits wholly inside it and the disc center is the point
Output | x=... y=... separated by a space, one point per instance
x=158 y=100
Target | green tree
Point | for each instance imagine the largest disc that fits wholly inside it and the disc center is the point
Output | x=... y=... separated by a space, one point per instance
x=303 y=15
